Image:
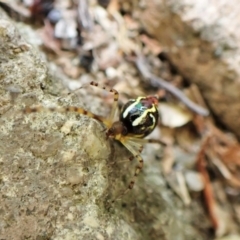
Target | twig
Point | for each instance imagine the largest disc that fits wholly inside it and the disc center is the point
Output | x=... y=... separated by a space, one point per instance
x=208 y=192
x=142 y=65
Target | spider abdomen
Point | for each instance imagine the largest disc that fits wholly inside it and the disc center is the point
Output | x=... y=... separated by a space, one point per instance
x=140 y=116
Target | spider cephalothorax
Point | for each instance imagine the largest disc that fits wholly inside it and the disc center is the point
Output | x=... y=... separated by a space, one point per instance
x=137 y=119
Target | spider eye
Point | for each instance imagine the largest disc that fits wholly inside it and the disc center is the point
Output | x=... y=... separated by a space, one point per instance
x=140 y=116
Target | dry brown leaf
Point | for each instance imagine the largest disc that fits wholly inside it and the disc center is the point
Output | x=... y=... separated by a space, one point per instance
x=47 y=36
x=113 y=6
x=231 y=156
x=18 y=8
x=153 y=45
x=173 y=115
x=95 y=39
x=108 y=56
x=177 y=182
x=168 y=160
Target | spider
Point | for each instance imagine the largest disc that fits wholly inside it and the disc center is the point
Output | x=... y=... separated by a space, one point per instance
x=137 y=119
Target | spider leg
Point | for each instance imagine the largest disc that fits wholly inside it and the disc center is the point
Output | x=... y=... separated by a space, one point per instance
x=135 y=146
x=136 y=154
x=115 y=101
x=135 y=149
x=148 y=140
x=78 y=110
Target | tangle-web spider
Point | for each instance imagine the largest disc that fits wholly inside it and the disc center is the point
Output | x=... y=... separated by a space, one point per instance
x=137 y=119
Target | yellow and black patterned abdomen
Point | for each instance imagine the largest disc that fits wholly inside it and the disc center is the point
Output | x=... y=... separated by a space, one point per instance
x=140 y=116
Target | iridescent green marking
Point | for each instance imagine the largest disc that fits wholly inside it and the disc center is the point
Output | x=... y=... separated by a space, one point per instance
x=134 y=104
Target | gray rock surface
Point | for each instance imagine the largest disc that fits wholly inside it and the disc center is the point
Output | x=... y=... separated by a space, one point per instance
x=56 y=171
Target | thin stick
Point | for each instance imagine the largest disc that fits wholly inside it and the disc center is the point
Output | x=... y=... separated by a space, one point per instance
x=142 y=66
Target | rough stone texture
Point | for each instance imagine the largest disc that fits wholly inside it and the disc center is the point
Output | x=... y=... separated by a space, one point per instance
x=56 y=175
x=202 y=40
